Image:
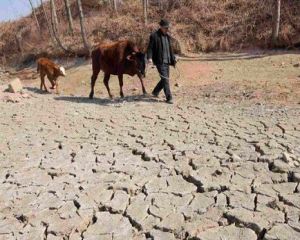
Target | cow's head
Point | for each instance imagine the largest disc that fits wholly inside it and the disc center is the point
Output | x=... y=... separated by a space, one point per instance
x=139 y=61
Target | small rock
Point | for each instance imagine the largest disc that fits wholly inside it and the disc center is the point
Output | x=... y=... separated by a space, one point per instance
x=148 y=156
x=286 y=157
x=25 y=95
x=280 y=166
x=228 y=232
x=236 y=158
x=282 y=232
x=297 y=65
x=15 y=86
x=156 y=234
x=12 y=99
x=60 y=146
x=296 y=177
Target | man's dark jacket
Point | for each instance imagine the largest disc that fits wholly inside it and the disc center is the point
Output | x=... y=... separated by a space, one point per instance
x=155 y=49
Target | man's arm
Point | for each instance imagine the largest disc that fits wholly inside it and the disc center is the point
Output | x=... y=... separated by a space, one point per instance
x=173 y=57
x=150 y=48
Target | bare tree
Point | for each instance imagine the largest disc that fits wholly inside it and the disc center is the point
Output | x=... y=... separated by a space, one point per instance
x=35 y=17
x=115 y=5
x=54 y=19
x=161 y=7
x=145 y=10
x=19 y=44
x=19 y=38
x=83 y=31
x=69 y=14
x=54 y=28
x=276 y=22
x=48 y=23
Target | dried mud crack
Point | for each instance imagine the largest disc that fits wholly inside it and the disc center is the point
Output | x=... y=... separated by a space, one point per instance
x=143 y=170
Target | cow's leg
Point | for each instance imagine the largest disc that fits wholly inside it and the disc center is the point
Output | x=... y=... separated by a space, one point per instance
x=41 y=87
x=93 y=81
x=121 y=85
x=143 y=86
x=106 y=80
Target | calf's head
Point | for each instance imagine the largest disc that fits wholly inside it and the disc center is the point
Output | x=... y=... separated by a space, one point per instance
x=62 y=71
x=139 y=61
x=58 y=72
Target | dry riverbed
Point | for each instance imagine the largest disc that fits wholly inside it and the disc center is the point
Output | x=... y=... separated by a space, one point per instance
x=221 y=163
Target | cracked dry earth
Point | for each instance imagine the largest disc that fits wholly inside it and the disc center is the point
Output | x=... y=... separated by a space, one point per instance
x=146 y=170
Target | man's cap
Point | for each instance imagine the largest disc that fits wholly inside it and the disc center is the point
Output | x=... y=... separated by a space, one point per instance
x=164 y=23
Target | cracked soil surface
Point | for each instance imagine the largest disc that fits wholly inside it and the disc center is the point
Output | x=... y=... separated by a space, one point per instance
x=206 y=168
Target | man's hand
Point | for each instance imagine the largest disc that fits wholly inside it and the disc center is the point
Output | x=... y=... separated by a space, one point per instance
x=175 y=61
x=150 y=63
x=176 y=58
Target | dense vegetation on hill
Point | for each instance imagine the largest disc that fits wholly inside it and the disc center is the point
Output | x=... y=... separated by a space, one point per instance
x=197 y=25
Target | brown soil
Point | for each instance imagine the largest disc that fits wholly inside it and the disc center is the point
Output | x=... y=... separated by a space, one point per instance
x=271 y=77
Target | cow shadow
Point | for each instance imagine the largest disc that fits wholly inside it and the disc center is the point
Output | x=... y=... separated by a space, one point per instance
x=36 y=90
x=109 y=102
x=99 y=101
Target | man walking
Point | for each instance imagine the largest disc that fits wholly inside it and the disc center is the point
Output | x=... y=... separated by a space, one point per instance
x=160 y=53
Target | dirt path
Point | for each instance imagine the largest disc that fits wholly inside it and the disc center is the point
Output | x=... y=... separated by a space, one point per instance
x=216 y=165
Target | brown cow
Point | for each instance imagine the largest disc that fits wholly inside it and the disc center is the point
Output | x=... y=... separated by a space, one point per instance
x=122 y=57
x=48 y=68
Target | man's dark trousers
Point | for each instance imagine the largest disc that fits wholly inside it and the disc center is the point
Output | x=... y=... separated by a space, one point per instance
x=164 y=83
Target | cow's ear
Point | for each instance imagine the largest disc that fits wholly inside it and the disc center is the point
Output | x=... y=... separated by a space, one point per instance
x=130 y=57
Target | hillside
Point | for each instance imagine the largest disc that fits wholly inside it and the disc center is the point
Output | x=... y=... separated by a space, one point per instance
x=198 y=25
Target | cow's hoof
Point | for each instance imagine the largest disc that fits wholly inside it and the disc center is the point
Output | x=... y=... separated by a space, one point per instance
x=91 y=96
x=111 y=97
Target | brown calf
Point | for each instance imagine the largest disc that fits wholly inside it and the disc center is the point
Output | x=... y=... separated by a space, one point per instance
x=48 y=68
x=118 y=58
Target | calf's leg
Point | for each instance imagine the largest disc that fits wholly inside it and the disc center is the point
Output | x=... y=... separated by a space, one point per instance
x=56 y=83
x=42 y=76
x=106 y=80
x=43 y=84
x=121 y=85
x=53 y=83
